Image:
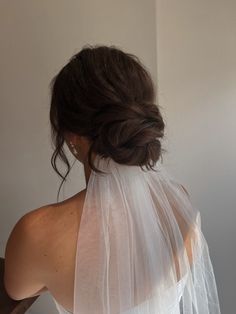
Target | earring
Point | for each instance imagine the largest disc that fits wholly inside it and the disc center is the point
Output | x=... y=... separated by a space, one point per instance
x=75 y=152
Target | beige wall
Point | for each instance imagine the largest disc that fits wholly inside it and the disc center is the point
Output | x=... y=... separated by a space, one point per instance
x=37 y=38
x=196 y=78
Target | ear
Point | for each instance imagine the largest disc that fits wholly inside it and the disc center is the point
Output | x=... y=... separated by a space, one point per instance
x=71 y=137
x=78 y=140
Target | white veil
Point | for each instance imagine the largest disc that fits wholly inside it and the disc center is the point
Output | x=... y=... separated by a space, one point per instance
x=140 y=247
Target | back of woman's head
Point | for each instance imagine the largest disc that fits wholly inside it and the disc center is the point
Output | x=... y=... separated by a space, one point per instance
x=107 y=96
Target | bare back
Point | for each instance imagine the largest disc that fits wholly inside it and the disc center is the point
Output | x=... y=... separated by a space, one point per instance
x=60 y=233
x=61 y=229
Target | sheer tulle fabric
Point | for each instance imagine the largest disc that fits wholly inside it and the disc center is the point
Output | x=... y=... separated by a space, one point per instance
x=140 y=247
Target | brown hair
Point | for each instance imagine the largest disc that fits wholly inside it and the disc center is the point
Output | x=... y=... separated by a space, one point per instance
x=107 y=96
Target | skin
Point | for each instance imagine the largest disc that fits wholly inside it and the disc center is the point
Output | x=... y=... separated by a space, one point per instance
x=40 y=252
x=82 y=145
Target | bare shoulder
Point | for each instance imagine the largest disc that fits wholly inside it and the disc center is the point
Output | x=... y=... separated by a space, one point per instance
x=32 y=244
x=27 y=226
x=37 y=227
x=38 y=215
x=23 y=274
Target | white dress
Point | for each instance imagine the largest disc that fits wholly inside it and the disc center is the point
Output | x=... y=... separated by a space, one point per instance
x=171 y=308
x=60 y=308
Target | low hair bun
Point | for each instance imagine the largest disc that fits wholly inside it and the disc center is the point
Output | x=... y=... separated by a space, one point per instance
x=129 y=134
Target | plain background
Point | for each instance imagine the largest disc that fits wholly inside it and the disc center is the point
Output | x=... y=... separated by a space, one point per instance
x=189 y=48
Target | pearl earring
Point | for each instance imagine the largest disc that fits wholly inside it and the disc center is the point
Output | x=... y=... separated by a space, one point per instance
x=75 y=152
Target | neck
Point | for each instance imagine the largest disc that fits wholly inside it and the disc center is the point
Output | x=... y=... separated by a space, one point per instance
x=87 y=171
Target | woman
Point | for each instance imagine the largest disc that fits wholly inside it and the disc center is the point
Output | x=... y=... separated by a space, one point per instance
x=130 y=242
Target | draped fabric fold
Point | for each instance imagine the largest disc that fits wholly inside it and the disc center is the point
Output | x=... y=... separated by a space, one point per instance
x=140 y=247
